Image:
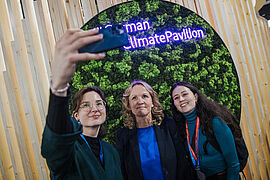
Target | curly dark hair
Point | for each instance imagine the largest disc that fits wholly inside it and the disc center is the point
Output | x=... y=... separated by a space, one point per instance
x=77 y=101
x=206 y=111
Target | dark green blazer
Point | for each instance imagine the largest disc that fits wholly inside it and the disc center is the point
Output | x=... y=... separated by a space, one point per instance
x=69 y=157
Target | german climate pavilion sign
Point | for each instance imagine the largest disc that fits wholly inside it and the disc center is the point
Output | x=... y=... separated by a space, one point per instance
x=167 y=43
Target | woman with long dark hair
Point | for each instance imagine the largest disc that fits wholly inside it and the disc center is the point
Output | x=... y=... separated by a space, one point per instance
x=197 y=117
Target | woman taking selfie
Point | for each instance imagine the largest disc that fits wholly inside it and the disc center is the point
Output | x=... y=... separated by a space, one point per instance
x=196 y=116
x=73 y=148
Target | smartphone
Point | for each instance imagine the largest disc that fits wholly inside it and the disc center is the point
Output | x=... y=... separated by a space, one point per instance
x=114 y=36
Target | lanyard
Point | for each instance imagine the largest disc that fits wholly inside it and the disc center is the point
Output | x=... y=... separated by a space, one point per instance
x=195 y=159
x=100 y=153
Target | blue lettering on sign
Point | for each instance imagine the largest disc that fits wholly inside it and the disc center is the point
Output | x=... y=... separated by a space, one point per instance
x=185 y=34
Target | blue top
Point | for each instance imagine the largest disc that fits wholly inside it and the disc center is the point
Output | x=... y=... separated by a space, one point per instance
x=149 y=152
x=215 y=161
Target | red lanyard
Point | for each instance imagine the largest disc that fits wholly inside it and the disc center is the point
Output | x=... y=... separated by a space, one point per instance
x=196 y=139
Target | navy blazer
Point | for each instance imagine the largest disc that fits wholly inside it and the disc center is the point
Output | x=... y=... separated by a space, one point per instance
x=171 y=150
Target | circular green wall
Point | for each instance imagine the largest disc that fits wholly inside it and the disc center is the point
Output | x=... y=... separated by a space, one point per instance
x=203 y=61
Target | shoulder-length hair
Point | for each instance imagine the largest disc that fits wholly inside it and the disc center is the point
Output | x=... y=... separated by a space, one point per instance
x=129 y=117
x=206 y=111
x=77 y=99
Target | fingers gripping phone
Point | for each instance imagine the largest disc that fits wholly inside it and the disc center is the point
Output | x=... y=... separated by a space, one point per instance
x=113 y=37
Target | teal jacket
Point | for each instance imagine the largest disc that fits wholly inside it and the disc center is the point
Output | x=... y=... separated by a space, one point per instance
x=69 y=157
x=214 y=161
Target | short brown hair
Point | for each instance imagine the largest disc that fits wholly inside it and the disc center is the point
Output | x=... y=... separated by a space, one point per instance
x=77 y=101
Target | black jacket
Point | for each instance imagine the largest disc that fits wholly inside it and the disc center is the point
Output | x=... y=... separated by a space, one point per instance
x=171 y=150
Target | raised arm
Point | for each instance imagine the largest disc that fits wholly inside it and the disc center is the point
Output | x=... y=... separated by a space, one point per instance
x=59 y=134
x=63 y=68
x=66 y=56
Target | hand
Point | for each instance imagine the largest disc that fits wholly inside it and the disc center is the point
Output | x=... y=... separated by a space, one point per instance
x=66 y=55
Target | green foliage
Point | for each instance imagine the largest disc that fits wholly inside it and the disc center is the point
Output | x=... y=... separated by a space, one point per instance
x=123 y=67
x=205 y=63
x=113 y=52
x=77 y=80
x=127 y=11
x=108 y=66
x=148 y=70
x=103 y=20
x=176 y=9
x=178 y=21
x=85 y=27
x=151 y=6
x=155 y=57
x=164 y=90
x=161 y=19
x=197 y=53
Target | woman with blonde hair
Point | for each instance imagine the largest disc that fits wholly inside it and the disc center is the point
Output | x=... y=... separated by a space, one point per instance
x=148 y=145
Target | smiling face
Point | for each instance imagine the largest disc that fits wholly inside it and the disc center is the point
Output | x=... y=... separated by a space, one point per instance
x=140 y=102
x=92 y=110
x=184 y=99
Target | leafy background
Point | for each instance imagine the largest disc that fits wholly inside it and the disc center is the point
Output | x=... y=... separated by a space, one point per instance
x=205 y=63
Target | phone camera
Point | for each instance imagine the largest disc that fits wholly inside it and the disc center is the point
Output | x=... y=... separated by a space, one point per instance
x=118 y=29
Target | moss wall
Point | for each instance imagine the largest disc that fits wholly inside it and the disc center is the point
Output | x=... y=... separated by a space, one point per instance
x=204 y=62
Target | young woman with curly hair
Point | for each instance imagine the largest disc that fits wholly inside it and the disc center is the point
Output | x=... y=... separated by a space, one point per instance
x=196 y=116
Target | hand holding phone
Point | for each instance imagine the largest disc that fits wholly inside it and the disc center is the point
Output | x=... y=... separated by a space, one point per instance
x=113 y=37
x=66 y=56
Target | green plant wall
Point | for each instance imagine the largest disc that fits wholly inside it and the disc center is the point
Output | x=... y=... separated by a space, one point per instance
x=205 y=63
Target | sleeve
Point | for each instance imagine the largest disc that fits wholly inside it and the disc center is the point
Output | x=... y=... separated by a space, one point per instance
x=116 y=162
x=58 y=149
x=226 y=142
x=59 y=136
x=58 y=117
x=120 y=149
x=182 y=162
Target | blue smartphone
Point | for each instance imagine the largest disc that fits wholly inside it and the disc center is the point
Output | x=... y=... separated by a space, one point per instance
x=114 y=36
